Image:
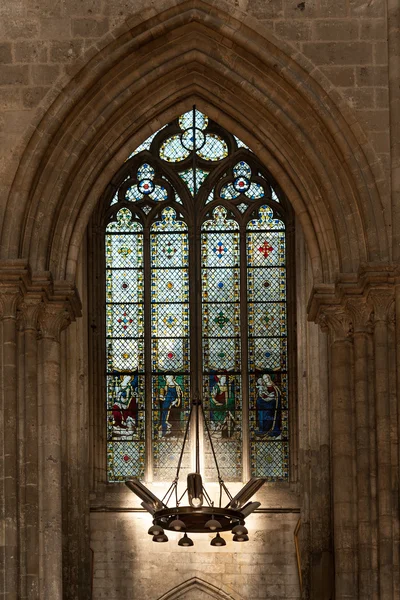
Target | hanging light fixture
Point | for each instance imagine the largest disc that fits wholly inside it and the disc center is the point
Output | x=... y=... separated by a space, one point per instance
x=200 y=516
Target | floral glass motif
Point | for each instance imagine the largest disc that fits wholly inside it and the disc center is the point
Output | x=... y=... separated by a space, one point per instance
x=169 y=339
x=242 y=184
x=267 y=345
x=220 y=259
x=243 y=305
x=125 y=346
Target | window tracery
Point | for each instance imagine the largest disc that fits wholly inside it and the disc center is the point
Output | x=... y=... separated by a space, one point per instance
x=195 y=267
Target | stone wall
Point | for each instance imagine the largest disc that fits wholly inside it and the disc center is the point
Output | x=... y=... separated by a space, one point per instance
x=42 y=40
x=127 y=564
x=338 y=52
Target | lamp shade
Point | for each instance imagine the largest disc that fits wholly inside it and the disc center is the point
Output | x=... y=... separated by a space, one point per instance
x=160 y=538
x=240 y=537
x=213 y=525
x=177 y=525
x=155 y=530
x=185 y=541
x=218 y=541
x=240 y=530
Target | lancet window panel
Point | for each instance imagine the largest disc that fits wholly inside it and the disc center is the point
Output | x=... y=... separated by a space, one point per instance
x=196 y=304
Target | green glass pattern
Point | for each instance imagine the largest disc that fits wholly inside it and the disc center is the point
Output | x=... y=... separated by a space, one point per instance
x=125 y=347
x=267 y=346
x=220 y=259
x=169 y=339
x=160 y=361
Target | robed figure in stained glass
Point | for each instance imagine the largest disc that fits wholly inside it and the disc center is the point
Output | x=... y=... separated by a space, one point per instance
x=171 y=399
x=124 y=409
x=222 y=406
x=268 y=407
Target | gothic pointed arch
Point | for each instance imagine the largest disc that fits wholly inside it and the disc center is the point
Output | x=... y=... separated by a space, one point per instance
x=199 y=585
x=155 y=68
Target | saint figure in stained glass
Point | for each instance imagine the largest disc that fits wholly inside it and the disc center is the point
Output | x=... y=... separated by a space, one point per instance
x=195 y=251
x=269 y=415
x=171 y=404
x=125 y=407
x=222 y=406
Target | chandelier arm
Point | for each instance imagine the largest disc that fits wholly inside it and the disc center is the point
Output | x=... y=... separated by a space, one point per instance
x=212 y=446
x=179 y=501
x=207 y=497
x=183 y=446
x=169 y=492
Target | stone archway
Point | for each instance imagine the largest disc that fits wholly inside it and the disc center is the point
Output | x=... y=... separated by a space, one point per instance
x=233 y=69
x=157 y=65
x=198 y=589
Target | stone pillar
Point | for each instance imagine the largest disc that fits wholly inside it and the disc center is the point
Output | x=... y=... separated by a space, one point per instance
x=380 y=300
x=360 y=315
x=9 y=299
x=29 y=491
x=53 y=319
x=337 y=321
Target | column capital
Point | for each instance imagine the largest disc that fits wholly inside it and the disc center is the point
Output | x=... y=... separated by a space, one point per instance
x=52 y=319
x=337 y=320
x=10 y=299
x=361 y=314
x=381 y=301
x=29 y=312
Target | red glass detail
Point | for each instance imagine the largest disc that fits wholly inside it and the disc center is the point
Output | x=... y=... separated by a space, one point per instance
x=265 y=249
x=125 y=321
x=170 y=355
x=126 y=458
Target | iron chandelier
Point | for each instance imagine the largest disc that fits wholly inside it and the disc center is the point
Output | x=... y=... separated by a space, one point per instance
x=201 y=516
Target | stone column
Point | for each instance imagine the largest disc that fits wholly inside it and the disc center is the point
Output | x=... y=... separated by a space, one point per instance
x=360 y=313
x=380 y=300
x=29 y=492
x=337 y=320
x=9 y=299
x=53 y=319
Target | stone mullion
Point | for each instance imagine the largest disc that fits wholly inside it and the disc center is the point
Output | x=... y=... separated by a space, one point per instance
x=342 y=451
x=50 y=448
x=360 y=317
x=8 y=306
x=381 y=301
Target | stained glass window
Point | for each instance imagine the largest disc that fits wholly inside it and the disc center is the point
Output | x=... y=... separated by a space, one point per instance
x=169 y=253
x=125 y=347
x=196 y=303
x=220 y=259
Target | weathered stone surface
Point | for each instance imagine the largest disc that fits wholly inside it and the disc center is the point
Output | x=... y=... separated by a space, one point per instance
x=314 y=88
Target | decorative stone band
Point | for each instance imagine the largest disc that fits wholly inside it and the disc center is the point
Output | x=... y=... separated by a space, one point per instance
x=35 y=301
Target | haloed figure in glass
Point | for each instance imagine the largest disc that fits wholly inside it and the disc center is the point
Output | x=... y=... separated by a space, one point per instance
x=171 y=402
x=269 y=417
x=222 y=405
x=125 y=408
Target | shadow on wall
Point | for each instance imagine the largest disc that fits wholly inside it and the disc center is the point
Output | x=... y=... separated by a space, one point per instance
x=198 y=589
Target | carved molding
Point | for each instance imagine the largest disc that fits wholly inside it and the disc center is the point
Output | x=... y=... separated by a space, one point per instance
x=361 y=315
x=381 y=301
x=29 y=313
x=337 y=320
x=53 y=318
x=10 y=299
x=198 y=584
